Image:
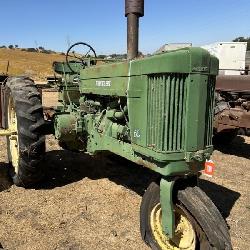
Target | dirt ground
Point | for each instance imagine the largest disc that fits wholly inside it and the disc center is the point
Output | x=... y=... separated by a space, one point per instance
x=93 y=203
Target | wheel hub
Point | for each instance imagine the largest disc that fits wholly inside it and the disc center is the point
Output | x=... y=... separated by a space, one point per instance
x=184 y=237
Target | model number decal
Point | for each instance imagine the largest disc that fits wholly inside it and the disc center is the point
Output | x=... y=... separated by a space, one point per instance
x=200 y=69
x=137 y=133
x=103 y=83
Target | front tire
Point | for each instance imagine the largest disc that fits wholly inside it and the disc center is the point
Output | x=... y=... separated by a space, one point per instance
x=24 y=116
x=199 y=224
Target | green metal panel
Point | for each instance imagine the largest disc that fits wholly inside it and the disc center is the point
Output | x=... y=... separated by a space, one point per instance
x=116 y=86
x=109 y=70
x=210 y=110
x=186 y=60
x=167 y=95
x=196 y=110
x=137 y=108
x=173 y=100
x=108 y=79
x=168 y=62
x=166 y=198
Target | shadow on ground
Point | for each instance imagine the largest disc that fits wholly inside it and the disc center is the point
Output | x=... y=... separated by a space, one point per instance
x=64 y=167
x=223 y=198
x=5 y=180
x=238 y=147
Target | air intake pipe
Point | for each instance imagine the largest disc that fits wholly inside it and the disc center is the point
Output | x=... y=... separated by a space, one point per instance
x=134 y=9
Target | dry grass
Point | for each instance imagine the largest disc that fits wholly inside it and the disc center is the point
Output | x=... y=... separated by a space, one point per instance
x=32 y=64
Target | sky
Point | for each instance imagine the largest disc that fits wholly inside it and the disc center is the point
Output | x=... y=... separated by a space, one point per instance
x=54 y=24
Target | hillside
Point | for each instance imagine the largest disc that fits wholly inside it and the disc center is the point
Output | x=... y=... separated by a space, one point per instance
x=32 y=64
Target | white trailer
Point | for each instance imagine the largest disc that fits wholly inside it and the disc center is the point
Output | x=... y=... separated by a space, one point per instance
x=232 y=56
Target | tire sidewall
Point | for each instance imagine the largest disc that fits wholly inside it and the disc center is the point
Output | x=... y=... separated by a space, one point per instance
x=148 y=203
x=150 y=199
x=31 y=149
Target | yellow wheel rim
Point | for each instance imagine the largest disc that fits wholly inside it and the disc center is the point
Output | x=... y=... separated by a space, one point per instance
x=184 y=237
x=13 y=139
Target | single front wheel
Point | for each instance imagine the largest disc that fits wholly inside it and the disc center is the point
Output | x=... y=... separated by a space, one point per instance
x=198 y=223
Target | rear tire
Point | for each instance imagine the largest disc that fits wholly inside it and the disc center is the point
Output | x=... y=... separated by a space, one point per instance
x=23 y=95
x=210 y=229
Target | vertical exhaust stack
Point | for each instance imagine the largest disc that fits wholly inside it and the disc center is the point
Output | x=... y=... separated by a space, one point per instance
x=134 y=9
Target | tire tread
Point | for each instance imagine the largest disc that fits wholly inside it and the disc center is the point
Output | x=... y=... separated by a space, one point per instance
x=30 y=121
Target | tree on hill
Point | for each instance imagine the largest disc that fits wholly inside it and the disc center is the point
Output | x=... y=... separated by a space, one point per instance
x=243 y=39
x=101 y=56
x=11 y=46
x=31 y=49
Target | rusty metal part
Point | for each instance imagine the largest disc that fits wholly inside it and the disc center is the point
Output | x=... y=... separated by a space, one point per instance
x=244 y=120
x=232 y=118
x=246 y=105
x=235 y=91
x=48 y=113
x=134 y=6
x=134 y=9
x=239 y=83
x=3 y=78
x=1 y=111
x=7 y=132
x=132 y=39
x=53 y=80
x=7 y=67
x=146 y=164
x=2 y=105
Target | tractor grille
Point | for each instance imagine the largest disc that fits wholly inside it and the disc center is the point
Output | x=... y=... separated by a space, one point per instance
x=166 y=112
x=209 y=111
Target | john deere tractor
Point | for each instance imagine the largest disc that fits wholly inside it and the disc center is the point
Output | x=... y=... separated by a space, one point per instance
x=155 y=111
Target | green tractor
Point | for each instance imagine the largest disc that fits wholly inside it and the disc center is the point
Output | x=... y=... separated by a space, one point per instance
x=155 y=111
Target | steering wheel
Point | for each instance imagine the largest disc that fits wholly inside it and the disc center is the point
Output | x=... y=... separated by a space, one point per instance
x=78 y=57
